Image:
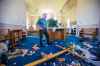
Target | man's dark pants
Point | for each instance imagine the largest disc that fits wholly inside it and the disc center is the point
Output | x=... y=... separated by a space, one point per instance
x=42 y=33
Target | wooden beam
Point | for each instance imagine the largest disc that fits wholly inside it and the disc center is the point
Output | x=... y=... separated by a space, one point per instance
x=48 y=57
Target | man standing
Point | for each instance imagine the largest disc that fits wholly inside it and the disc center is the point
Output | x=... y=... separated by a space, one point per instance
x=52 y=22
x=42 y=24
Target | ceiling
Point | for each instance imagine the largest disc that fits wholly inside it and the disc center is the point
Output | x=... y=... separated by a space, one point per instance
x=34 y=7
x=62 y=9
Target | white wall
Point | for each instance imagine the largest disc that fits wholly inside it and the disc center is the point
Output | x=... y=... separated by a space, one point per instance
x=12 y=12
x=12 y=15
x=88 y=13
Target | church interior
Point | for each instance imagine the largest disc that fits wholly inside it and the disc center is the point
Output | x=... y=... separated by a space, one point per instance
x=49 y=32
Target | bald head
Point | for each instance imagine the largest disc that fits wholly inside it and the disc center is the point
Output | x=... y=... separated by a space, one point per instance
x=44 y=15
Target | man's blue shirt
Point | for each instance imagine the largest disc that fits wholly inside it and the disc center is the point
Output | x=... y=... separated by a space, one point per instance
x=42 y=23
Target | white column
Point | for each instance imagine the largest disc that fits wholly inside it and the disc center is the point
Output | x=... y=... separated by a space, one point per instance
x=69 y=27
